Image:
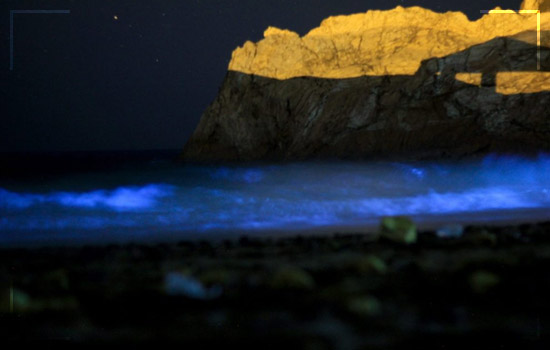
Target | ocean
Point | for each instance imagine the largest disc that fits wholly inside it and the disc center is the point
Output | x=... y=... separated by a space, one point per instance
x=98 y=198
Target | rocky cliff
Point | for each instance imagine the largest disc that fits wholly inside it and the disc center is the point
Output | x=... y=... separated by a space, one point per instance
x=405 y=82
x=542 y=5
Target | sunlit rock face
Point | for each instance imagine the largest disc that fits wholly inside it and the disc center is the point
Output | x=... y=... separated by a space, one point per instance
x=542 y=5
x=424 y=85
x=374 y=43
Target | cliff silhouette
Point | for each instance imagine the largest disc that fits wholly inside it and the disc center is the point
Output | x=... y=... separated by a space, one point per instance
x=485 y=97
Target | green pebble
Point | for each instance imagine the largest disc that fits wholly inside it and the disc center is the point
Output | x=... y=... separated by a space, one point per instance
x=482 y=281
x=21 y=301
x=364 y=306
x=292 y=278
x=400 y=229
x=371 y=263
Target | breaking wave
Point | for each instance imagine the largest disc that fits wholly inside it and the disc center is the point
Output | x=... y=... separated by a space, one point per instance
x=284 y=197
x=120 y=199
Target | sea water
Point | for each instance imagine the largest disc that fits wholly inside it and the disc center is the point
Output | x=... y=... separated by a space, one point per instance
x=171 y=200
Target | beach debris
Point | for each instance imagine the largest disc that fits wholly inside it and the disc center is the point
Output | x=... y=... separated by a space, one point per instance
x=55 y=304
x=20 y=301
x=361 y=263
x=292 y=278
x=482 y=281
x=371 y=263
x=482 y=237
x=177 y=284
x=215 y=277
x=364 y=306
x=400 y=229
x=57 y=279
x=450 y=231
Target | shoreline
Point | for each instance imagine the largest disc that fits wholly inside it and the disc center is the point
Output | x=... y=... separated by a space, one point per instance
x=132 y=236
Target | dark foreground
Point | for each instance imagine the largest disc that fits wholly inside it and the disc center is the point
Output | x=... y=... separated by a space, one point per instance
x=490 y=287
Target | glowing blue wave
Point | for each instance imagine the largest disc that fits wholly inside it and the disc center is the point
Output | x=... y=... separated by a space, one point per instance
x=279 y=197
x=120 y=199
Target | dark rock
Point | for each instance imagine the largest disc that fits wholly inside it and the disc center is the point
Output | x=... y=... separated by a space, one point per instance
x=428 y=114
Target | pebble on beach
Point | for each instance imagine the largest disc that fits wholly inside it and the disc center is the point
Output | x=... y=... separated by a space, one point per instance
x=400 y=229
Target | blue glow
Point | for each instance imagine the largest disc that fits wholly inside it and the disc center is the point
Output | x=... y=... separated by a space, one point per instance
x=281 y=197
x=123 y=198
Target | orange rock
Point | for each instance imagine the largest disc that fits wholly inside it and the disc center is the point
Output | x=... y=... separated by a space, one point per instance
x=377 y=42
x=543 y=5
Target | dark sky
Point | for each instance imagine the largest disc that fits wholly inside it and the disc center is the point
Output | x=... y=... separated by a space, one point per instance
x=86 y=81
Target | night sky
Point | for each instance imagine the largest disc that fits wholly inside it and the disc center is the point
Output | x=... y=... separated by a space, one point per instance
x=137 y=74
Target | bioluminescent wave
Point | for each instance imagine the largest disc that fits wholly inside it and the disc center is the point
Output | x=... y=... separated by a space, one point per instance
x=299 y=196
x=120 y=199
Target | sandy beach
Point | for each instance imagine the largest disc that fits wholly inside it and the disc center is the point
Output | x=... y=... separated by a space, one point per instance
x=485 y=285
